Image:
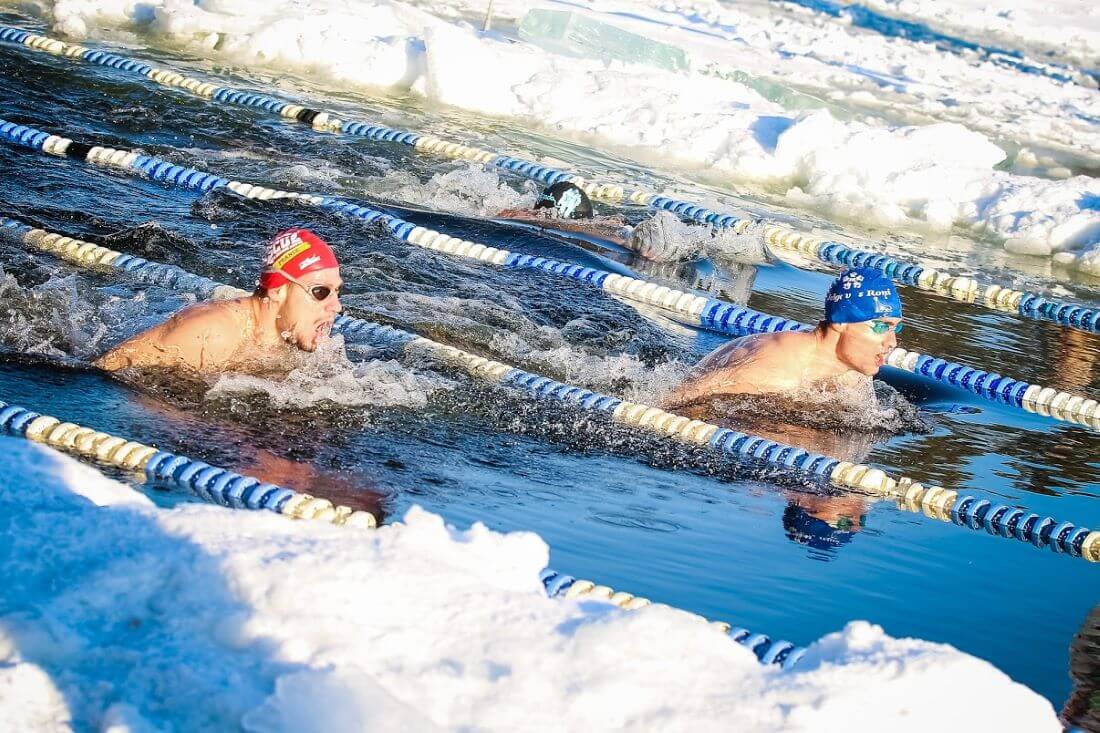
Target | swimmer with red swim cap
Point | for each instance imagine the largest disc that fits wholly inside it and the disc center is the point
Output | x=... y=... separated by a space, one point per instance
x=292 y=309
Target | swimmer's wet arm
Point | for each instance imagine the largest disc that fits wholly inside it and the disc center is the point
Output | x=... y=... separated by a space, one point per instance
x=197 y=338
x=136 y=351
x=693 y=389
x=516 y=213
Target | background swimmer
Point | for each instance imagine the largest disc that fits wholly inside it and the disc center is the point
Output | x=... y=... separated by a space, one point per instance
x=292 y=309
x=862 y=316
x=659 y=238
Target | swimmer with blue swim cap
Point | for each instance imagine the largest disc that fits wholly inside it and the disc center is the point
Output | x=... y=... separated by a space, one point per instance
x=863 y=294
x=862 y=318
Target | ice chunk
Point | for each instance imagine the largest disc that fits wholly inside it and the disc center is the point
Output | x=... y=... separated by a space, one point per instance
x=783 y=95
x=573 y=34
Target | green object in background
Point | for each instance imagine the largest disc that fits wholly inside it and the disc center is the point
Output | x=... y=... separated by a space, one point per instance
x=782 y=95
x=576 y=35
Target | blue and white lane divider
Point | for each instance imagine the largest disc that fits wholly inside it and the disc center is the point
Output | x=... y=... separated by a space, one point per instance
x=212 y=484
x=236 y=491
x=1030 y=305
x=695 y=310
x=973 y=512
x=768 y=651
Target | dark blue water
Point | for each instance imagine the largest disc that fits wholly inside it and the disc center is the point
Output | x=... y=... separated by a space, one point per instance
x=630 y=511
x=861 y=16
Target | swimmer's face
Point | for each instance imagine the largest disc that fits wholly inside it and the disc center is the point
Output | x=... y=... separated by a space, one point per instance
x=305 y=320
x=863 y=350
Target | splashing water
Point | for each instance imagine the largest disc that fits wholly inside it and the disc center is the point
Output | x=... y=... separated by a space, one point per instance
x=327 y=375
x=857 y=405
x=664 y=237
x=472 y=190
x=840 y=418
x=68 y=317
x=584 y=351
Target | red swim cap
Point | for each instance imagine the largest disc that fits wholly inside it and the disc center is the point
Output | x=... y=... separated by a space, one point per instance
x=295 y=252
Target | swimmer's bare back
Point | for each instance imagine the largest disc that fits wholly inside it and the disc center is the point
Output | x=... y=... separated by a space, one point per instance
x=759 y=364
x=609 y=228
x=204 y=338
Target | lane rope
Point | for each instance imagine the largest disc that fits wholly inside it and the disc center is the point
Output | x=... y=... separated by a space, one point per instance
x=236 y=491
x=767 y=650
x=209 y=483
x=778 y=236
x=709 y=313
x=999 y=519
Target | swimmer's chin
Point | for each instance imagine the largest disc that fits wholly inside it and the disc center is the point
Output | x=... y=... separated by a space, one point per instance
x=322 y=334
x=869 y=370
x=313 y=340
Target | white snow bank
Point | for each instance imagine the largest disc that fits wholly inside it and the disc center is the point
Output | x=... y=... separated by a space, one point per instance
x=935 y=177
x=118 y=615
x=929 y=178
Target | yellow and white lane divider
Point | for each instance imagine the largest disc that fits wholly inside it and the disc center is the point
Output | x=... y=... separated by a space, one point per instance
x=208 y=482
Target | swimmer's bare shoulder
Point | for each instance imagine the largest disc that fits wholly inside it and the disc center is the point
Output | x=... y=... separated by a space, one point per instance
x=202 y=337
x=756 y=364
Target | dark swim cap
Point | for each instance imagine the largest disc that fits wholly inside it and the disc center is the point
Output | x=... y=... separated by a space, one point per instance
x=567 y=200
x=817 y=534
x=861 y=294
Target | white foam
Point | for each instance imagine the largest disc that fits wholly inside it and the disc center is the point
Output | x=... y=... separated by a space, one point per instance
x=206 y=618
x=470 y=190
x=65 y=316
x=327 y=375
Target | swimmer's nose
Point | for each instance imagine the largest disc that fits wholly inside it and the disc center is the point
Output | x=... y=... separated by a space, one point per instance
x=332 y=305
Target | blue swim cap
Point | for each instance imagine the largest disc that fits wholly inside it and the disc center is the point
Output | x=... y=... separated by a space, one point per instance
x=804 y=528
x=861 y=294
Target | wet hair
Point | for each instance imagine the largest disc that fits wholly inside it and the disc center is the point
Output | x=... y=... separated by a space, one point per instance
x=567 y=200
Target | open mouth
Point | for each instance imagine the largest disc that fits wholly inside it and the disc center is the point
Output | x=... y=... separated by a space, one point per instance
x=322 y=331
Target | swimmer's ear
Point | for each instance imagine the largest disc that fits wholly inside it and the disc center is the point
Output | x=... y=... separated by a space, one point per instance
x=277 y=296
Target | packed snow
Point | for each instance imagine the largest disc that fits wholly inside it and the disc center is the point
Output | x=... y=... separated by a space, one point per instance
x=908 y=137
x=118 y=615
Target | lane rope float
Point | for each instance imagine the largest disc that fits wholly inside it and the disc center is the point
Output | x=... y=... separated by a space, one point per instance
x=999 y=519
x=210 y=483
x=695 y=310
x=767 y=650
x=780 y=237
